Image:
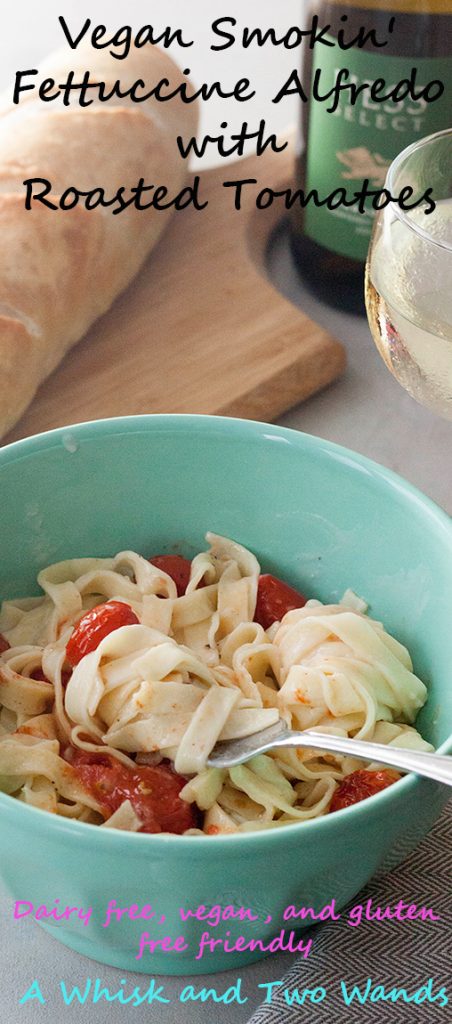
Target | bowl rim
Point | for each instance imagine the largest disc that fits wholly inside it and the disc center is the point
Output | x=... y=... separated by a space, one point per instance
x=257 y=430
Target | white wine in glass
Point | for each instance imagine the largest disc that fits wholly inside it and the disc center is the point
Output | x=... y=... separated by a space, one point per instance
x=409 y=275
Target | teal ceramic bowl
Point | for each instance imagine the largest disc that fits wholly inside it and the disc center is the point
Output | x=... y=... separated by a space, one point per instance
x=319 y=516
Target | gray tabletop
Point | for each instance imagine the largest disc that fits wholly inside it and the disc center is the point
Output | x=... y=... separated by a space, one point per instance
x=365 y=410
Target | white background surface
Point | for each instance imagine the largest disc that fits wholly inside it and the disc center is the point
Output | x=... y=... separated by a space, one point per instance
x=366 y=410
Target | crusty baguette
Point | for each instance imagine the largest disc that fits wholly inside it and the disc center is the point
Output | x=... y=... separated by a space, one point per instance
x=60 y=270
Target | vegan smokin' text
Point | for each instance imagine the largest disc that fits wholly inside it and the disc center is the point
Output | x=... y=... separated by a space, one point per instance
x=81 y=91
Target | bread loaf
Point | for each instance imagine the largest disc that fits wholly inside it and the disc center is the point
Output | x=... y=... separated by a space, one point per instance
x=61 y=269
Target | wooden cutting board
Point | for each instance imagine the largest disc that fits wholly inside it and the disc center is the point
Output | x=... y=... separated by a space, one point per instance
x=201 y=329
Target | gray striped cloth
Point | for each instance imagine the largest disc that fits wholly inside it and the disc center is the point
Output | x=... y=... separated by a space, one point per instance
x=392 y=954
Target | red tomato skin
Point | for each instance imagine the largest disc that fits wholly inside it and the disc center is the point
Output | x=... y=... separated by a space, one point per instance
x=360 y=785
x=274 y=599
x=95 y=626
x=39 y=677
x=152 y=790
x=4 y=645
x=177 y=567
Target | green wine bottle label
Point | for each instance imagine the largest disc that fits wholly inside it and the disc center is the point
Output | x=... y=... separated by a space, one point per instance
x=360 y=141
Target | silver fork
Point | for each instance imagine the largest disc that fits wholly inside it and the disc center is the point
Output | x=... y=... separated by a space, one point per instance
x=229 y=753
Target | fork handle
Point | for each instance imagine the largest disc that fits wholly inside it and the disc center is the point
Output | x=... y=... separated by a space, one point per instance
x=433 y=766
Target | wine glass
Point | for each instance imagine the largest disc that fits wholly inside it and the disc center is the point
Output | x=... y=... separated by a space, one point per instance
x=409 y=274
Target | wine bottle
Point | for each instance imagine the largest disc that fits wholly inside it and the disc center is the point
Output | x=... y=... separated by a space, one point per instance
x=358 y=141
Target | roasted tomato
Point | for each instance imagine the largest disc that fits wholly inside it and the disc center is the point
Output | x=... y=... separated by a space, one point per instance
x=95 y=626
x=153 y=791
x=274 y=599
x=361 y=784
x=4 y=645
x=40 y=677
x=175 y=566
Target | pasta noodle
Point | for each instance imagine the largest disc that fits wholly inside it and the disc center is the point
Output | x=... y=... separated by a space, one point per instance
x=192 y=668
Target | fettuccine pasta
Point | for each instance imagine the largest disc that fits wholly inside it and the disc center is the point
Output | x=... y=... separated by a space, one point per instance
x=116 y=684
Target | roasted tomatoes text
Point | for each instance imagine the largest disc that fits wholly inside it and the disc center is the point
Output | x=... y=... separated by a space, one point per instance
x=95 y=626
